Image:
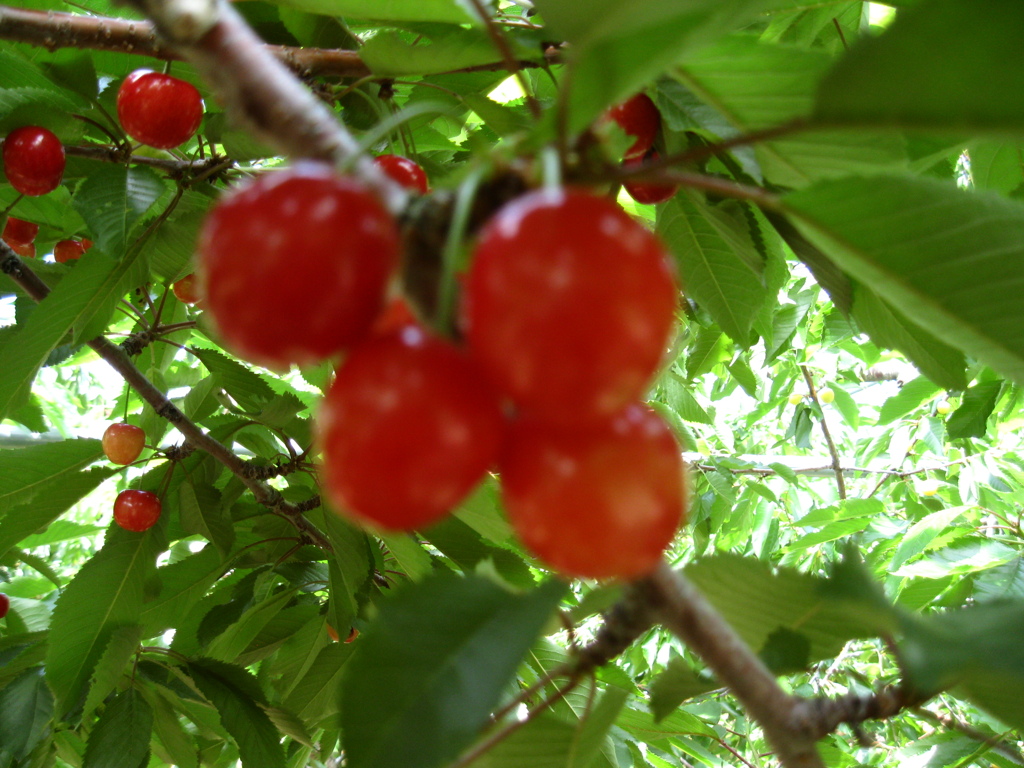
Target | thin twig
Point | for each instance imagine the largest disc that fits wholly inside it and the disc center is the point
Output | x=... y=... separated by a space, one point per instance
x=501 y=43
x=15 y=268
x=837 y=466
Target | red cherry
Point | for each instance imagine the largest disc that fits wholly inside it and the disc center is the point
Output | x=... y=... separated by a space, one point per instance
x=295 y=264
x=568 y=304
x=395 y=315
x=159 y=110
x=136 y=511
x=33 y=160
x=26 y=251
x=405 y=171
x=5 y=605
x=648 y=192
x=352 y=635
x=407 y=430
x=187 y=290
x=599 y=501
x=638 y=117
x=69 y=250
x=19 y=232
x=332 y=633
x=123 y=443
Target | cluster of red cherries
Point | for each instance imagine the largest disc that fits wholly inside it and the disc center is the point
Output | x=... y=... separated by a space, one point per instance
x=566 y=311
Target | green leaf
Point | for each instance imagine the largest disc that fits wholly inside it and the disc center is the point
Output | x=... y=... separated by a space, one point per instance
x=236 y=696
x=25 y=472
x=113 y=198
x=121 y=736
x=182 y=585
x=755 y=85
x=757 y=601
x=105 y=594
x=232 y=641
x=58 y=497
x=201 y=513
x=388 y=54
x=419 y=705
x=179 y=744
x=952 y=261
x=545 y=742
x=124 y=642
x=315 y=695
x=250 y=391
x=675 y=685
x=971 y=418
x=906 y=76
x=51 y=320
x=718 y=265
x=451 y=11
x=890 y=329
x=911 y=395
x=922 y=533
x=26 y=706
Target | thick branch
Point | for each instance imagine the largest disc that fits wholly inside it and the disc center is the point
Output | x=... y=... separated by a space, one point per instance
x=821 y=716
x=196 y=437
x=686 y=613
x=262 y=95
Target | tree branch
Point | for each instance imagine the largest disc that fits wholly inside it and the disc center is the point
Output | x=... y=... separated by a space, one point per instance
x=53 y=30
x=837 y=466
x=686 y=613
x=269 y=497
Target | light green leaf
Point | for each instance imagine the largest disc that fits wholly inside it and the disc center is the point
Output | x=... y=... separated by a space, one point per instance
x=922 y=533
x=232 y=641
x=124 y=642
x=25 y=472
x=718 y=265
x=545 y=742
x=179 y=744
x=675 y=685
x=971 y=418
x=952 y=261
x=67 y=304
x=105 y=594
x=246 y=387
x=315 y=695
x=112 y=199
x=387 y=54
x=450 y=11
x=911 y=395
x=121 y=735
x=201 y=513
x=419 y=705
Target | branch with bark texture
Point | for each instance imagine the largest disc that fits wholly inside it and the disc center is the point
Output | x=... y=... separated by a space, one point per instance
x=53 y=30
x=15 y=268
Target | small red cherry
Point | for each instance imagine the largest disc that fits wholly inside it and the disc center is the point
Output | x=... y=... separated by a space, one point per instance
x=19 y=232
x=352 y=635
x=123 y=443
x=69 y=250
x=294 y=266
x=640 y=118
x=332 y=633
x=187 y=289
x=159 y=110
x=406 y=172
x=648 y=192
x=33 y=160
x=407 y=429
x=602 y=500
x=136 y=511
x=569 y=304
x=395 y=315
x=5 y=605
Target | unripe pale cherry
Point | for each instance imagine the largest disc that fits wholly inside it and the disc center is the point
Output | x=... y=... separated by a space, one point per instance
x=123 y=443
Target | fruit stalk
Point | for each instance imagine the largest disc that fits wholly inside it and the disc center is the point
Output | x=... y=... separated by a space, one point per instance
x=837 y=465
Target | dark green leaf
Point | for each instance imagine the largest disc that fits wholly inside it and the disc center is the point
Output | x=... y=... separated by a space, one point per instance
x=113 y=198
x=201 y=513
x=419 y=705
x=971 y=418
x=906 y=77
x=121 y=736
x=25 y=472
x=236 y=696
x=124 y=642
x=26 y=706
